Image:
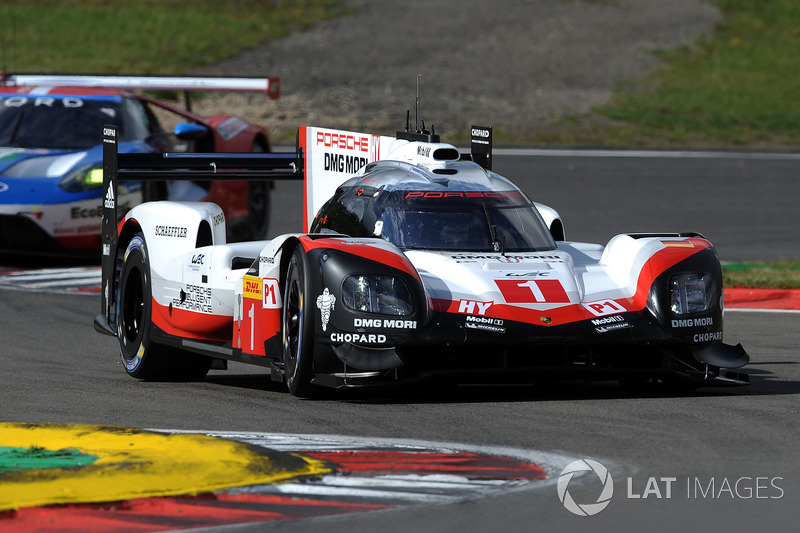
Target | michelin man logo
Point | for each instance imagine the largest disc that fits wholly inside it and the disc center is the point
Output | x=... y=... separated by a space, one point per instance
x=588 y=509
x=325 y=303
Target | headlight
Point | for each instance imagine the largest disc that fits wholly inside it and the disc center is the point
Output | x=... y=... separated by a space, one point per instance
x=691 y=293
x=46 y=166
x=83 y=179
x=385 y=295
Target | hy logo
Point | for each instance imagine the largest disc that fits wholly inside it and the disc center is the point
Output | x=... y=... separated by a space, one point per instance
x=587 y=509
x=109 y=203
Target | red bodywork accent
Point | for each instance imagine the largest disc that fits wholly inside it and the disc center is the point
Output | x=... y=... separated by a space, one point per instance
x=249 y=334
x=367 y=251
x=259 y=320
x=191 y=324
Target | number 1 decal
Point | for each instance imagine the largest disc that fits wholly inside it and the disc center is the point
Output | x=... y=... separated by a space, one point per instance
x=251 y=314
x=531 y=291
x=537 y=292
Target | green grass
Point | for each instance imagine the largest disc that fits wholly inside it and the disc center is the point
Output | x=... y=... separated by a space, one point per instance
x=778 y=275
x=145 y=36
x=737 y=87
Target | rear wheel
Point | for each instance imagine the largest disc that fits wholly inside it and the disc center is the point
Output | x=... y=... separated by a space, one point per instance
x=143 y=358
x=298 y=326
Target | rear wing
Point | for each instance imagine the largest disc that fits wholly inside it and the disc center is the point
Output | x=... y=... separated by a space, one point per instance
x=170 y=166
x=269 y=85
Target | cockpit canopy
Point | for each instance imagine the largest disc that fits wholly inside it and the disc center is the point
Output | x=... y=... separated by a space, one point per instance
x=436 y=214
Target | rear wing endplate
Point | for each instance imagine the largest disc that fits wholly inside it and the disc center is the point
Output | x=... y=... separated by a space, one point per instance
x=481 y=146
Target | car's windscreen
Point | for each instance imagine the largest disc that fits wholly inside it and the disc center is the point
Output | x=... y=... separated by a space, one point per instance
x=68 y=123
x=463 y=221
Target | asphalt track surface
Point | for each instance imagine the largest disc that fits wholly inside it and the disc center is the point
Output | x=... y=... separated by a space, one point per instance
x=733 y=453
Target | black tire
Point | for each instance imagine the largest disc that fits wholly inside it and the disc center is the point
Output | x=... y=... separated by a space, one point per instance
x=143 y=358
x=298 y=327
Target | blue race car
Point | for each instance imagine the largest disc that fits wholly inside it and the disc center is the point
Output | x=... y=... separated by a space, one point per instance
x=51 y=169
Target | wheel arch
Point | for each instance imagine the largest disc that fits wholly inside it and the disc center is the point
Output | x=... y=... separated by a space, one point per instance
x=286 y=249
x=129 y=229
x=557 y=230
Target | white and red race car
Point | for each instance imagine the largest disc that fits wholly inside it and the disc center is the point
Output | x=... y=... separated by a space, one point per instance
x=416 y=261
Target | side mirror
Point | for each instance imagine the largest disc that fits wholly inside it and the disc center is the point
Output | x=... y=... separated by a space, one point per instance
x=190 y=131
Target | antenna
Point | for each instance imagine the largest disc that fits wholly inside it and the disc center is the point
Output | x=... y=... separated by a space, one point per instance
x=420 y=134
x=416 y=118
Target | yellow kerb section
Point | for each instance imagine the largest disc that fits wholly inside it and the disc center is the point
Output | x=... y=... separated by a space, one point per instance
x=135 y=464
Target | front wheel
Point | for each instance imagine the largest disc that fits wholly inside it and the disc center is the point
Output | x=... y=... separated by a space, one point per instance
x=298 y=326
x=143 y=358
